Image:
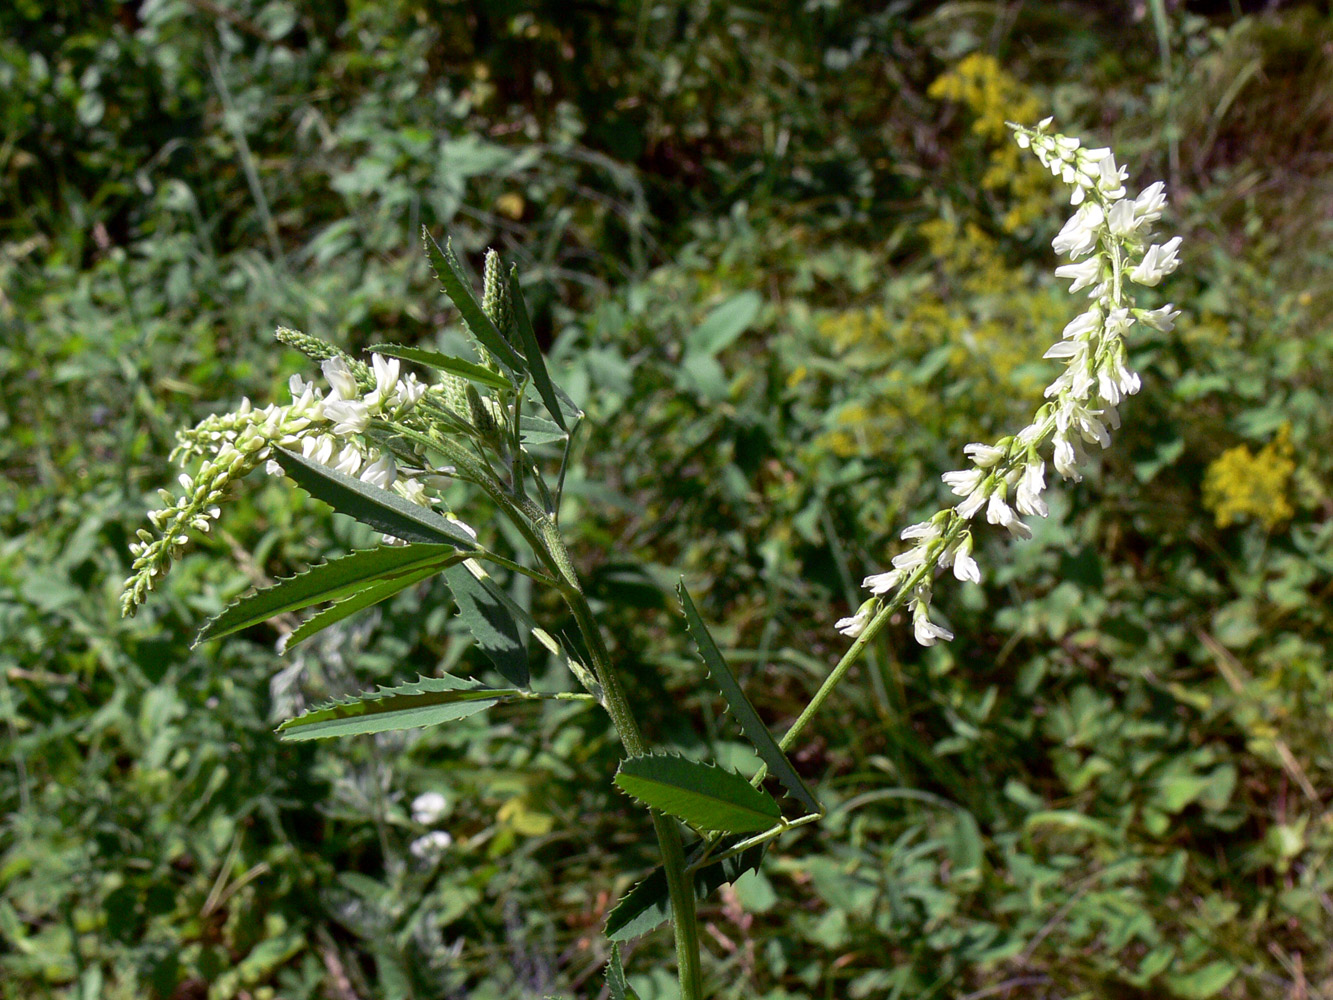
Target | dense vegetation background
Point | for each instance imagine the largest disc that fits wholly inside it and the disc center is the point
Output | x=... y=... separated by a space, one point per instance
x=786 y=257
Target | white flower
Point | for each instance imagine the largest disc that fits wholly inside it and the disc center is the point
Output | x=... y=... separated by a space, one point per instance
x=926 y=631
x=410 y=390
x=318 y=449
x=380 y=472
x=965 y=568
x=1083 y=325
x=1163 y=319
x=1067 y=349
x=853 y=627
x=1086 y=421
x=969 y=507
x=1079 y=235
x=1150 y=202
x=1122 y=219
x=349 y=460
x=999 y=512
x=926 y=529
x=882 y=583
x=1027 y=497
x=429 y=808
x=910 y=560
x=349 y=416
x=1111 y=179
x=1068 y=454
x=1157 y=263
x=1084 y=274
x=432 y=844
x=386 y=374
x=984 y=455
x=413 y=491
x=1115 y=380
x=340 y=377
x=964 y=482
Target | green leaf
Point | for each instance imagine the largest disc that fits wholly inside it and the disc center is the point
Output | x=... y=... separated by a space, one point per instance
x=724 y=324
x=547 y=641
x=343 y=609
x=701 y=794
x=532 y=351
x=615 y=978
x=332 y=581
x=1202 y=983
x=459 y=289
x=753 y=727
x=427 y=701
x=483 y=606
x=535 y=430
x=383 y=510
x=442 y=362
x=648 y=904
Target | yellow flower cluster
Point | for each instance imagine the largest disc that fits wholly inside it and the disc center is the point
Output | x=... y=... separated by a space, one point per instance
x=1241 y=485
x=994 y=97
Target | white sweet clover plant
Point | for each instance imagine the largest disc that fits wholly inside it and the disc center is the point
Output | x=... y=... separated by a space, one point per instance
x=382 y=446
x=1109 y=243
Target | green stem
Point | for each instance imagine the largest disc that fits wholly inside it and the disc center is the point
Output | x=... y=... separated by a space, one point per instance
x=680 y=888
x=873 y=629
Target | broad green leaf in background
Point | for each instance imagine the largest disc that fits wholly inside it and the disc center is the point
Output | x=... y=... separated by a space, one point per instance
x=442 y=362
x=486 y=615
x=1202 y=983
x=724 y=324
x=426 y=701
x=383 y=510
x=745 y=713
x=459 y=290
x=334 y=580
x=702 y=795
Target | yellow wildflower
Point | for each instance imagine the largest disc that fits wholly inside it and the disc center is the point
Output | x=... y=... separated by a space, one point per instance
x=1241 y=485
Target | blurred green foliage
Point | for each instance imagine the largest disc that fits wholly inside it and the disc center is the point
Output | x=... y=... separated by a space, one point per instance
x=777 y=253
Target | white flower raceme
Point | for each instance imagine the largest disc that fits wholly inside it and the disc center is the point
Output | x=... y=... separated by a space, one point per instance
x=328 y=430
x=1108 y=243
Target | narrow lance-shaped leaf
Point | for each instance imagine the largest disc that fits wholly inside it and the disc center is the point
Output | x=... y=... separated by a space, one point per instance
x=648 y=904
x=426 y=701
x=487 y=616
x=372 y=595
x=555 y=400
x=769 y=751
x=334 y=580
x=459 y=290
x=382 y=509
x=702 y=795
x=615 y=978
x=442 y=362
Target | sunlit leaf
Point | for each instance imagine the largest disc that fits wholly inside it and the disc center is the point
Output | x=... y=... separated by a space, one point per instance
x=702 y=795
x=334 y=580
